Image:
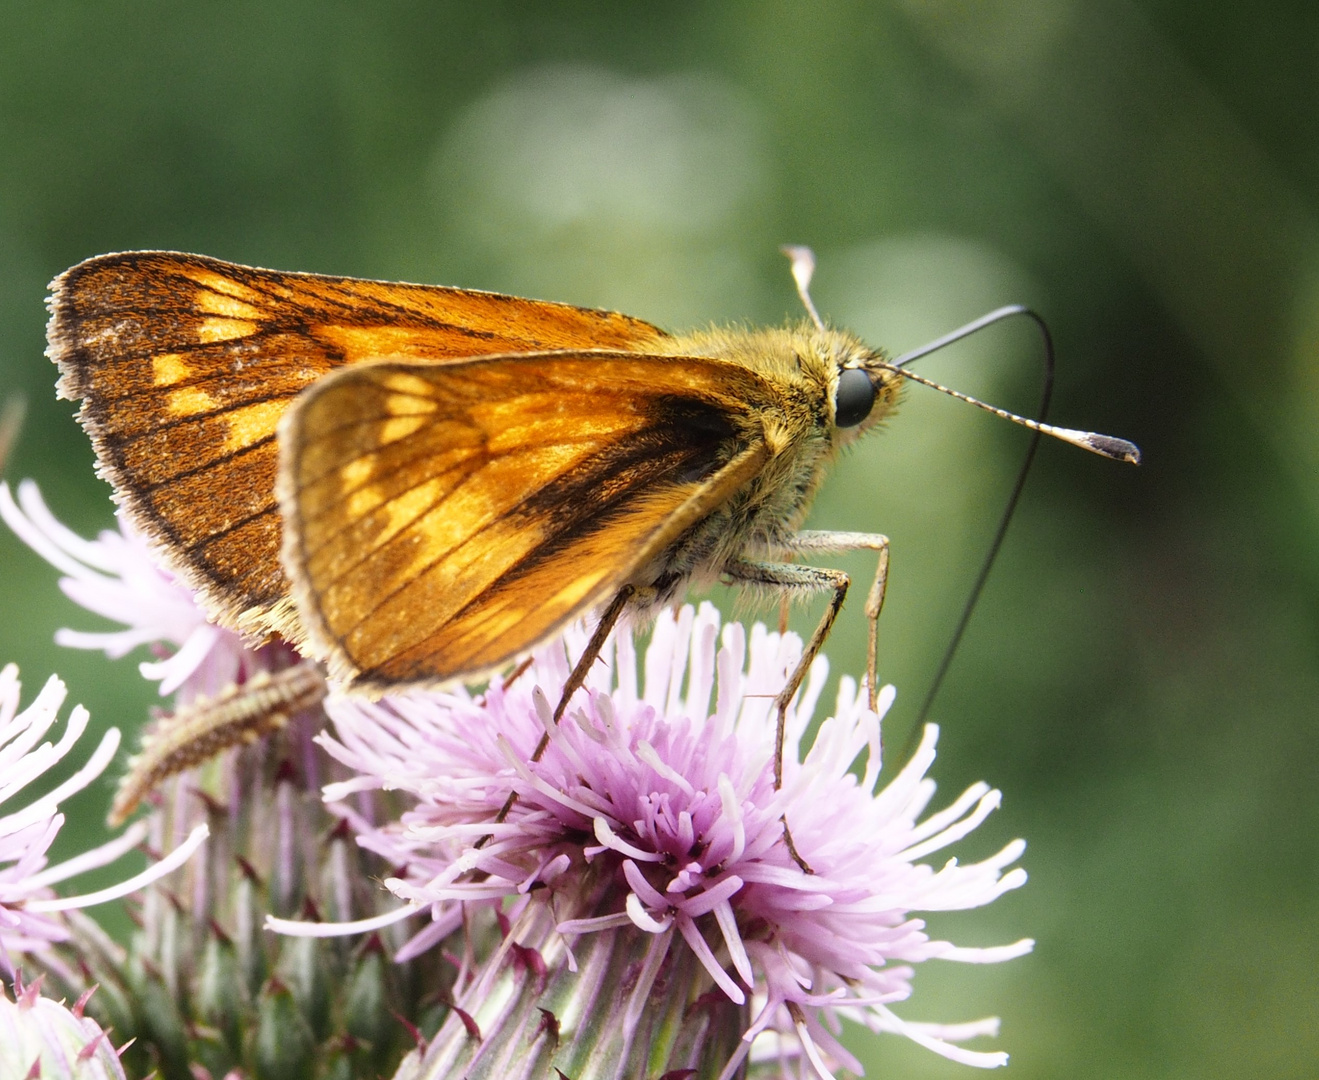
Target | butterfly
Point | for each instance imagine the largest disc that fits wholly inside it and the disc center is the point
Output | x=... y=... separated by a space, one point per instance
x=419 y=484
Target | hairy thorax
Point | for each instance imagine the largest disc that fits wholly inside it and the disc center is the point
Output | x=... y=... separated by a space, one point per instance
x=803 y=365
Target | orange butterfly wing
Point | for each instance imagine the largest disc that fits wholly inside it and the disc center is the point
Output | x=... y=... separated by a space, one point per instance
x=440 y=520
x=185 y=365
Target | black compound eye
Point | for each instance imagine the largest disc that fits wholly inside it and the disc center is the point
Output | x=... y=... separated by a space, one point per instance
x=856 y=397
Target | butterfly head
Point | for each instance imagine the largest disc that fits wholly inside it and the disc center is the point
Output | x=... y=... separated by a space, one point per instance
x=860 y=387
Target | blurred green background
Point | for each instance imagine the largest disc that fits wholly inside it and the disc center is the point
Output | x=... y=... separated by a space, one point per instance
x=1141 y=676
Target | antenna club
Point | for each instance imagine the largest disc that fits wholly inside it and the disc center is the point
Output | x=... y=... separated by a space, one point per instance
x=803 y=264
x=803 y=269
x=1114 y=448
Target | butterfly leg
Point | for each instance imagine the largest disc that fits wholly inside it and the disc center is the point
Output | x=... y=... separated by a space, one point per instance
x=608 y=619
x=237 y=716
x=822 y=541
x=590 y=654
x=789 y=578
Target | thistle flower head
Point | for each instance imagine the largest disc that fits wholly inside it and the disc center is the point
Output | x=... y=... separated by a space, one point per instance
x=653 y=815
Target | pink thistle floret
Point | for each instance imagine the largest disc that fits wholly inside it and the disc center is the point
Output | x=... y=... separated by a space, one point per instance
x=119 y=577
x=27 y=903
x=679 y=796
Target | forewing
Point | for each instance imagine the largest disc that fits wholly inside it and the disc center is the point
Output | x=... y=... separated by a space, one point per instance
x=440 y=520
x=185 y=365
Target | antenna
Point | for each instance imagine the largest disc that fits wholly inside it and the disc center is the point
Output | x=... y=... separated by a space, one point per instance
x=1104 y=445
x=803 y=269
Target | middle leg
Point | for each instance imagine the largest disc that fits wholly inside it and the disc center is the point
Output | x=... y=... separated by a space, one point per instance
x=789 y=578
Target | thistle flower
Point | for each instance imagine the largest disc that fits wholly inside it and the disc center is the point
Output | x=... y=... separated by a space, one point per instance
x=635 y=910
